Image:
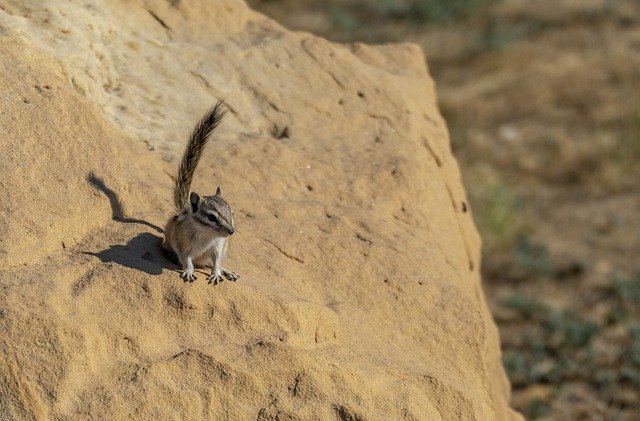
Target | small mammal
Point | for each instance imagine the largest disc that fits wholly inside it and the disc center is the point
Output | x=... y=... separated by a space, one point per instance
x=198 y=234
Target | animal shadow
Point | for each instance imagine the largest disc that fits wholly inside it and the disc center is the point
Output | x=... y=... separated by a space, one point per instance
x=117 y=214
x=142 y=252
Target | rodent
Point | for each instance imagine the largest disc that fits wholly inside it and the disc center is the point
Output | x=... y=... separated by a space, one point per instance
x=198 y=234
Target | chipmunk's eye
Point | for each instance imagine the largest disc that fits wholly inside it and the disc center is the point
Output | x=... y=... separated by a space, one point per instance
x=211 y=217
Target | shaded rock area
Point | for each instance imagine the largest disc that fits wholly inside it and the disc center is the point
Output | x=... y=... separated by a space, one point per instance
x=360 y=295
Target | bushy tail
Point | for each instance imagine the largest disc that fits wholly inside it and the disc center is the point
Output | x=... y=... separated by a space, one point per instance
x=197 y=142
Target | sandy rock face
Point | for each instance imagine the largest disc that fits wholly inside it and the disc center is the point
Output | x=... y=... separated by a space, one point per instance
x=360 y=294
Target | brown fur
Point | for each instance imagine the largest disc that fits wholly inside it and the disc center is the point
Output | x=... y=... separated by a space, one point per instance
x=191 y=157
x=198 y=234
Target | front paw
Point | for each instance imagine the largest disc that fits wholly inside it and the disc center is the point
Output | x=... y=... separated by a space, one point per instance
x=232 y=276
x=215 y=278
x=187 y=275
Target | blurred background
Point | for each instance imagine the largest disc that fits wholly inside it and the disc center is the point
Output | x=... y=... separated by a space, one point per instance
x=542 y=102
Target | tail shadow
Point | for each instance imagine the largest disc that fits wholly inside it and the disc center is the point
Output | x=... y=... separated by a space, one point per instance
x=142 y=252
x=117 y=214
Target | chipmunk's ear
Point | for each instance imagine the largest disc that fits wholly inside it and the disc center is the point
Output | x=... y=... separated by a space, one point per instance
x=194 y=199
x=218 y=191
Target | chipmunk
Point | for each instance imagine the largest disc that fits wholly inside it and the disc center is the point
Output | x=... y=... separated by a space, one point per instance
x=198 y=234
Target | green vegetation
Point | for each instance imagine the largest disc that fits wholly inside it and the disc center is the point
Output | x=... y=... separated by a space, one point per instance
x=498 y=214
x=627 y=294
x=430 y=11
x=363 y=19
x=537 y=408
x=558 y=346
x=553 y=345
x=532 y=257
x=626 y=310
x=498 y=34
x=631 y=369
x=526 y=306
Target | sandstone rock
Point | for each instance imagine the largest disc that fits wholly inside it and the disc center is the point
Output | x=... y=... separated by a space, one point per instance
x=360 y=295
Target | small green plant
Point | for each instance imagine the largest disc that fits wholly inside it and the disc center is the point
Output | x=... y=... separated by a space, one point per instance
x=357 y=23
x=537 y=408
x=532 y=256
x=564 y=331
x=626 y=309
x=627 y=295
x=556 y=347
x=430 y=11
x=353 y=16
x=498 y=34
x=498 y=214
x=630 y=370
x=627 y=289
x=526 y=306
x=517 y=367
x=341 y=18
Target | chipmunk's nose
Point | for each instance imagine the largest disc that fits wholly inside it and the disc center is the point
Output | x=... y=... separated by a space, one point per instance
x=231 y=230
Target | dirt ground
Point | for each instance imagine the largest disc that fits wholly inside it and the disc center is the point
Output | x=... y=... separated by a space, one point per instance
x=542 y=101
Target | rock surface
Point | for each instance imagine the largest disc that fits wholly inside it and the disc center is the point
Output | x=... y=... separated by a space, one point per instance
x=360 y=295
